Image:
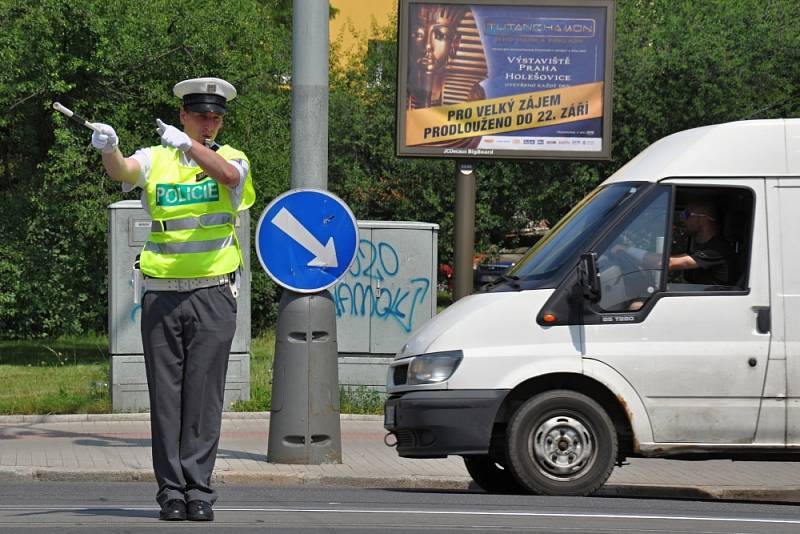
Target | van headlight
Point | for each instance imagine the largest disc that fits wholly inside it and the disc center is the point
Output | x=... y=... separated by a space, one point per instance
x=434 y=367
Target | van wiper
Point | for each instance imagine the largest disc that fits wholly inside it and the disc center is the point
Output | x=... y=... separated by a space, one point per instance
x=510 y=279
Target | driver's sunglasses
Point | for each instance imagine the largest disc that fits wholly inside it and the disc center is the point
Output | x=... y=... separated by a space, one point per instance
x=685 y=214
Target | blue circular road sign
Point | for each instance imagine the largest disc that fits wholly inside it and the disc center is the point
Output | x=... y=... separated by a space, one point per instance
x=306 y=239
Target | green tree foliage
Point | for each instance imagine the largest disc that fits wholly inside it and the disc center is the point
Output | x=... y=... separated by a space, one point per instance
x=115 y=62
x=679 y=64
x=682 y=64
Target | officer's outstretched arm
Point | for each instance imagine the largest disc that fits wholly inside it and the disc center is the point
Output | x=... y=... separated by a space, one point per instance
x=118 y=168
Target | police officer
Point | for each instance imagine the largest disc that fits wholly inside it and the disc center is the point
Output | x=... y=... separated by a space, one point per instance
x=193 y=189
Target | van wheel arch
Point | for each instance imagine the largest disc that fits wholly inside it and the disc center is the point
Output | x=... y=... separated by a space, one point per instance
x=580 y=383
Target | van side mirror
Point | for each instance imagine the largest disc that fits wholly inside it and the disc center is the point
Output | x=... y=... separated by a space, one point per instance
x=588 y=277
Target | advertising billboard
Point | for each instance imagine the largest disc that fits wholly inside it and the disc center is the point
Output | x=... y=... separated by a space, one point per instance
x=505 y=79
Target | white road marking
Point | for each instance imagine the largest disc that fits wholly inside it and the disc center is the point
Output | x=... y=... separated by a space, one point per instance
x=497 y=513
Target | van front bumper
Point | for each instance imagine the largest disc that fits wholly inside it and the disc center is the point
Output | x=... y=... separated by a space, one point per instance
x=434 y=424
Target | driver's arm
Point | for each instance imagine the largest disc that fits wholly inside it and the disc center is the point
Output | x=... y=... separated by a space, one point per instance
x=682 y=263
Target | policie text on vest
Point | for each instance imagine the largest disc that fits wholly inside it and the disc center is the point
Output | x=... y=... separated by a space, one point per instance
x=181 y=194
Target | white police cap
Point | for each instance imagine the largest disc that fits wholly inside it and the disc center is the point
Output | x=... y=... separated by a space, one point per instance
x=205 y=94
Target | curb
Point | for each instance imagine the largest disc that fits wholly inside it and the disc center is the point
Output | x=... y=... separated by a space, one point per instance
x=145 y=416
x=641 y=491
x=722 y=493
x=38 y=474
x=354 y=481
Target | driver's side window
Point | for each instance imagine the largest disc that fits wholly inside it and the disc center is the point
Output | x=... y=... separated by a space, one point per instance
x=630 y=262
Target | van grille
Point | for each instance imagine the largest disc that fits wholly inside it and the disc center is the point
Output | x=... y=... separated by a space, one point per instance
x=400 y=375
x=405 y=438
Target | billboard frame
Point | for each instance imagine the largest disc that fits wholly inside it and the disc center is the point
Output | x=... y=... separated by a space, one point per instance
x=402 y=150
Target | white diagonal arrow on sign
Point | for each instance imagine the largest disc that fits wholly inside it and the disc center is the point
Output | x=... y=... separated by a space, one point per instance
x=324 y=256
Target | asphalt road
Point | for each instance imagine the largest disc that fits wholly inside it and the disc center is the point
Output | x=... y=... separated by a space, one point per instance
x=67 y=507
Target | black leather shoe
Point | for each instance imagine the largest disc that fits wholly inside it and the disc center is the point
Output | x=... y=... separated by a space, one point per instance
x=173 y=510
x=199 y=511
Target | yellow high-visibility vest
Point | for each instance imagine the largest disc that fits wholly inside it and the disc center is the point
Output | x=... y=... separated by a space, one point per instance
x=194 y=234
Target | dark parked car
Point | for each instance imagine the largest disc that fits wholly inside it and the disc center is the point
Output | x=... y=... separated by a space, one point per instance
x=489 y=267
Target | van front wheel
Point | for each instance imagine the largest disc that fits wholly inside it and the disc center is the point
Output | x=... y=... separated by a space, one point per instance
x=561 y=442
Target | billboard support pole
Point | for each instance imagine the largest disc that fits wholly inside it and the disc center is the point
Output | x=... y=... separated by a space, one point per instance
x=464 y=229
x=304 y=425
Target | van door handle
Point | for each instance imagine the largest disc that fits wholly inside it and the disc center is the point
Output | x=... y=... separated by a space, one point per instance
x=763 y=321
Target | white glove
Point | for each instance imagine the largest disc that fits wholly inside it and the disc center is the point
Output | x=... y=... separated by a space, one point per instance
x=171 y=136
x=106 y=139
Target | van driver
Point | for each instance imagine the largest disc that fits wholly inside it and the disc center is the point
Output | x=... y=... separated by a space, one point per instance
x=711 y=259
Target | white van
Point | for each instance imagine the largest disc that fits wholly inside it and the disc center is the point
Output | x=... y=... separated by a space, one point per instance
x=593 y=349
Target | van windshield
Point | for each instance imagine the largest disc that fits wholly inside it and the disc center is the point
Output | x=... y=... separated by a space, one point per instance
x=568 y=238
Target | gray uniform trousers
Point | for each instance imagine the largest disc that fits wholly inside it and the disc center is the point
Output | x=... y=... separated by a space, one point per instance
x=187 y=339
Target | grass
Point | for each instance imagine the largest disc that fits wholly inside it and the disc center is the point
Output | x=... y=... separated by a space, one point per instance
x=262 y=352
x=360 y=400
x=67 y=375
x=71 y=375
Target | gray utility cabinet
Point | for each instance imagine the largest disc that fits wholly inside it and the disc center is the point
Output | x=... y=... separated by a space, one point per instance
x=129 y=226
x=388 y=292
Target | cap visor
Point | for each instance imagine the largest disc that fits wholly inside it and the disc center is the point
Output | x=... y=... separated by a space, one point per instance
x=205 y=107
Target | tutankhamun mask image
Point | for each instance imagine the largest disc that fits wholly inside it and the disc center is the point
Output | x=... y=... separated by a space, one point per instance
x=446 y=61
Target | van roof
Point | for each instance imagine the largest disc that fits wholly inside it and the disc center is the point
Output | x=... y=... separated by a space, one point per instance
x=769 y=147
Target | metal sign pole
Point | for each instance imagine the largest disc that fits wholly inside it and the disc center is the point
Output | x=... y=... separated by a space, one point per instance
x=464 y=229
x=310 y=94
x=304 y=424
